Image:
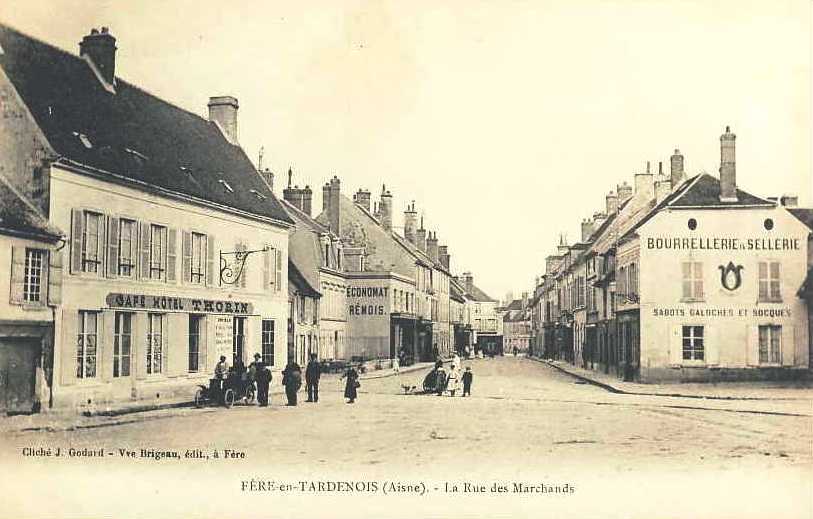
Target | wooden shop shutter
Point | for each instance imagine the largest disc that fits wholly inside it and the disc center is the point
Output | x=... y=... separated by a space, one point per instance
x=788 y=345
x=55 y=277
x=112 y=247
x=267 y=267
x=186 y=262
x=144 y=248
x=17 y=274
x=172 y=254
x=278 y=270
x=676 y=345
x=712 y=341
x=176 y=343
x=69 y=346
x=106 y=329
x=752 y=345
x=77 y=229
x=210 y=260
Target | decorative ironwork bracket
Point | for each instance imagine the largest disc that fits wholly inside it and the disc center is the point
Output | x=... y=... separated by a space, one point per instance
x=230 y=272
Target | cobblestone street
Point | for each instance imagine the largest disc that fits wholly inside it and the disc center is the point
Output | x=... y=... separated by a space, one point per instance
x=525 y=421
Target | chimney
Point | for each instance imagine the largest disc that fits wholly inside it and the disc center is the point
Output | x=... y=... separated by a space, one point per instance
x=385 y=208
x=432 y=246
x=728 y=170
x=677 y=175
x=268 y=176
x=307 y=197
x=468 y=281
x=410 y=223
x=223 y=112
x=624 y=191
x=587 y=229
x=326 y=198
x=362 y=198
x=663 y=187
x=443 y=256
x=100 y=47
x=789 y=201
x=333 y=210
x=644 y=185
x=420 y=237
x=598 y=220
x=612 y=203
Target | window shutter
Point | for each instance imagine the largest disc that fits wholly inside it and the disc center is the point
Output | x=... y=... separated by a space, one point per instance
x=76 y=240
x=17 y=274
x=55 y=277
x=176 y=344
x=676 y=346
x=210 y=260
x=172 y=254
x=106 y=327
x=70 y=342
x=788 y=345
x=112 y=246
x=278 y=272
x=144 y=247
x=186 y=263
x=267 y=266
x=711 y=345
x=752 y=345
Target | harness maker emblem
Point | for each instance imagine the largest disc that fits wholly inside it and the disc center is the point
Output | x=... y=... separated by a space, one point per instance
x=731 y=276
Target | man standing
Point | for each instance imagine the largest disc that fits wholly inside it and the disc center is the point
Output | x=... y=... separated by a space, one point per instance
x=292 y=380
x=312 y=374
x=262 y=375
x=468 y=376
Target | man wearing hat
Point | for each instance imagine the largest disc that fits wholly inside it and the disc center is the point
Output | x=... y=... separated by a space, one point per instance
x=262 y=375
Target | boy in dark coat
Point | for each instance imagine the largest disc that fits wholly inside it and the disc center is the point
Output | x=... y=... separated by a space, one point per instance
x=468 y=376
x=312 y=374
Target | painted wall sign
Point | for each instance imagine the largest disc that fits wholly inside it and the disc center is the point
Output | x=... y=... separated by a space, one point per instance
x=722 y=312
x=224 y=337
x=178 y=304
x=368 y=301
x=731 y=276
x=706 y=243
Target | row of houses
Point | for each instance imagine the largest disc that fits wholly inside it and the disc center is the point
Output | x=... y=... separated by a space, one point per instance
x=142 y=244
x=681 y=278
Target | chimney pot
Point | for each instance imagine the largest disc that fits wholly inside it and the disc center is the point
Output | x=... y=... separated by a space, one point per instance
x=728 y=167
x=223 y=111
x=100 y=48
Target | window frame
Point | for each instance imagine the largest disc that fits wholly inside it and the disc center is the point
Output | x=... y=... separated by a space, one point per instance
x=101 y=237
x=118 y=335
x=694 y=280
x=203 y=240
x=41 y=277
x=134 y=247
x=81 y=343
x=768 y=281
x=200 y=319
x=162 y=268
x=774 y=331
x=150 y=352
x=267 y=355
x=692 y=338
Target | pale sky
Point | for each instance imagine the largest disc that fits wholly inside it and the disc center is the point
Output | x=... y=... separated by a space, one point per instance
x=506 y=121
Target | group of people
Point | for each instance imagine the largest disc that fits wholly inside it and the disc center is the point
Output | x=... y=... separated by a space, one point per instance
x=450 y=381
x=259 y=373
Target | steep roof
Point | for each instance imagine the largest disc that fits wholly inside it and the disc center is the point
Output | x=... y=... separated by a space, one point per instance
x=478 y=295
x=304 y=244
x=804 y=215
x=297 y=279
x=456 y=291
x=130 y=136
x=19 y=217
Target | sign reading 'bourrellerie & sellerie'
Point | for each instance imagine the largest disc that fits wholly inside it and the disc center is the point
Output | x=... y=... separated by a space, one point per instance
x=178 y=304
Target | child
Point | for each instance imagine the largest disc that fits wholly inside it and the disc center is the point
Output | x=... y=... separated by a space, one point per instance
x=467 y=378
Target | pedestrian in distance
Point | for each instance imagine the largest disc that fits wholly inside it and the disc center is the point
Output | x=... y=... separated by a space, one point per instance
x=468 y=377
x=261 y=376
x=396 y=365
x=452 y=380
x=312 y=373
x=292 y=380
x=440 y=379
x=352 y=384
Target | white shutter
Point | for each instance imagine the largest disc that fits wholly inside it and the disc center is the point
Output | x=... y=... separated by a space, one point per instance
x=17 y=275
x=676 y=345
x=55 y=277
x=144 y=250
x=210 y=260
x=712 y=343
x=77 y=229
x=106 y=330
x=112 y=246
x=172 y=254
x=788 y=345
x=176 y=343
x=68 y=348
x=278 y=271
x=266 y=267
x=186 y=262
x=752 y=345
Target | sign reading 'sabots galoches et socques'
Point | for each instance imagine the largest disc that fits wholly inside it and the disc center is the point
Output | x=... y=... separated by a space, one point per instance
x=177 y=304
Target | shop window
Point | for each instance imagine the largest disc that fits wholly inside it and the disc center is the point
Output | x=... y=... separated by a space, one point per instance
x=770 y=342
x=127 y=247
x=769 y=283
x=92 y=228
x=267 y=340
x=195 y=327
x=693 y=343
x=158 y=251
x=122 y=344
x=155 y=343
x=87 y=344
x=33 y=280
x=692 y=280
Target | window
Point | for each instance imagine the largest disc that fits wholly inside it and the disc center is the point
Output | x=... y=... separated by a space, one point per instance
x=770 y=344
x=693 y=343
x=238 y=339
x=692 y=280
x=122 y=342
x=769 y=289
x=87 y=344
x=91 y=241
x=32 y=285
x=633 y=284
x=126 y=247
x=155 y=343
x=158 y=251
x=195 y=322
x=268 y=341
x=197 y=273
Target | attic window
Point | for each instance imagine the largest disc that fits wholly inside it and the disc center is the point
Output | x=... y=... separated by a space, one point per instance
x=226 y=185
x=83 y=138
x=256 y=193
x=136 y=154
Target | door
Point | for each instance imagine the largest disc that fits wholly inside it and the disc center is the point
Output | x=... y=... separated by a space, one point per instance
x=122 y=355
x=17 y=372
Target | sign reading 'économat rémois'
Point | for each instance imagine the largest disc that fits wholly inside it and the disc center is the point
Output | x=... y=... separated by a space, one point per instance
x=178 y=304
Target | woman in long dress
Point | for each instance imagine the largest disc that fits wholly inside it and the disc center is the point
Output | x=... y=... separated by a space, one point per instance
x=352 y=384
x=452 y=380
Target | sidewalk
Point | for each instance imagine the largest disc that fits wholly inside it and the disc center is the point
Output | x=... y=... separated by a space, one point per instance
x=756 y=390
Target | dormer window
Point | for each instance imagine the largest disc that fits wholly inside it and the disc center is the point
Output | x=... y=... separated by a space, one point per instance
x=83 y=139
x=257 y=194
x=138 y=155
x=226 y=186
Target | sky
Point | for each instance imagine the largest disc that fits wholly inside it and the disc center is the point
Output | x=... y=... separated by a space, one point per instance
x=505 y=121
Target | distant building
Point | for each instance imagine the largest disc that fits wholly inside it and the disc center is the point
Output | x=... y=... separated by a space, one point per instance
x=485 y=320
x=517 y=325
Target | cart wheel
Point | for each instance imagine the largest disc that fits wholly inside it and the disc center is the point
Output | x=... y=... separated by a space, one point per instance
x=228 y=398
x=199 y=398
x=251 y=394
